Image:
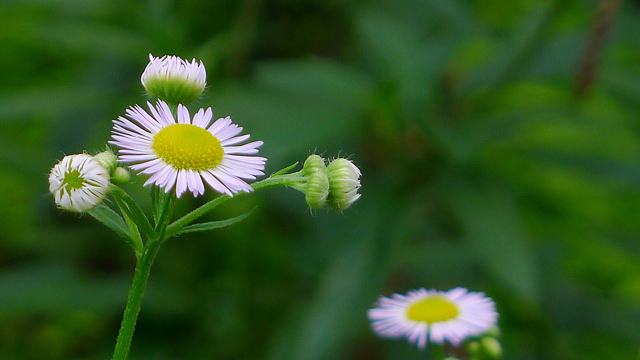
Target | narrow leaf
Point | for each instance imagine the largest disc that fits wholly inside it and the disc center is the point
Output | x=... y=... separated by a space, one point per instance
x=285 y=170
x=133 y=211
x=112 y=220
x=214 y=224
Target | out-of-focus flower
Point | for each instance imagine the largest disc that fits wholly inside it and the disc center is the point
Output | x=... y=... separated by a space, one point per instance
x=434 y=316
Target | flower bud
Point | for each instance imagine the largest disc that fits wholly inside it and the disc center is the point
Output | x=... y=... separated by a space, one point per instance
x=173 y=79
x=344 y=182
x=79 y=183
x=120 y=176
x=107 y=159
x=312 y=164
x=317 y=189
x=490 y=348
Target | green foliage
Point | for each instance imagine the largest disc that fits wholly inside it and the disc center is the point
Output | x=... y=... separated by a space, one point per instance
x=482 y=165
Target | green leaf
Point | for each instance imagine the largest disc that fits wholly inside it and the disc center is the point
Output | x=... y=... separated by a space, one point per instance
x=495 y=233
x=112 y=220
x=214 y=224
x=133 y=211
x=285 y=170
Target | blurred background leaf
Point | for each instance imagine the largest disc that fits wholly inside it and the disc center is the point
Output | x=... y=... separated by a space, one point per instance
x=485 y=165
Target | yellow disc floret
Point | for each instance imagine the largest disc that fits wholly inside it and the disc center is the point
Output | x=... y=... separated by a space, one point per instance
x=432 y=309
x=188 y=147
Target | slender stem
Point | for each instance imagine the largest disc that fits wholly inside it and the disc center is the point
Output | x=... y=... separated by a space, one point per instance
x=589 y=64
x=143 y=268
x=273 y=181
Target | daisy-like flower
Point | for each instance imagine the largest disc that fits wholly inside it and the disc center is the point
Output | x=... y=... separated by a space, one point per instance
x=79 y=183
x=173 y=79
x=187 y=153
x=434 y=316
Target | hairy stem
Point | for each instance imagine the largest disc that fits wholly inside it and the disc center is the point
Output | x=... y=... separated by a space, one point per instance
x=143 y=269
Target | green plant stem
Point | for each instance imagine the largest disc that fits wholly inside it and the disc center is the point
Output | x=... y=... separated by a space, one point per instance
x=164 y=203
x=273 y=181
x=143 y=269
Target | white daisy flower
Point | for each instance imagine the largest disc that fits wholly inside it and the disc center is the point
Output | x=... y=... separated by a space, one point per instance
x=184 y=153
x=79 y=183
x=173 y=79
x=435 y=316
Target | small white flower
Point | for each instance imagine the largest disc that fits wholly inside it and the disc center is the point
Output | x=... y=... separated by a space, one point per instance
x=434 y=316
x=187 y=152
x=79 y=183
x=173 y=79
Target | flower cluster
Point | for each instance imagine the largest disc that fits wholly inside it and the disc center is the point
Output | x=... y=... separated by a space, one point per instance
x=183 y=153
x=180 y=153
x=335 y=184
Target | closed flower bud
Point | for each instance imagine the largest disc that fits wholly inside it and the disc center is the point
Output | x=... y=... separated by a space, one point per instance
x=317 y=190
x=344 y=182
x=490 y=348
x=120 y=176
x=107 y=159
x=79 y=183
x=312 y=164
x=173 y=79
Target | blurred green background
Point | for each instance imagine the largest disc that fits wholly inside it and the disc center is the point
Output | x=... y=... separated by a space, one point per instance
x=499 y=142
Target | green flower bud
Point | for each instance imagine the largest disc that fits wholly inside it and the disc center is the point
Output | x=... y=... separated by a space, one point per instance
x=107 y=159
x=317 y=190
x=312 y=164
x=173 y=79
x=120 y=176
x=490 y=348
x=344 y=182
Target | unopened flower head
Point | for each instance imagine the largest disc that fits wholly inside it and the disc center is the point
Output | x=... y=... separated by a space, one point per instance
x=344 y=182
x=173 y=79
x=312 y=164
x=434 y=316
x=317 y=190
x=79 y=183
x=188 y=152
x=107 y=159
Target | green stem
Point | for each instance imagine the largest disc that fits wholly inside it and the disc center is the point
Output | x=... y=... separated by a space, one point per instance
x=143 y=268
x=273 y=181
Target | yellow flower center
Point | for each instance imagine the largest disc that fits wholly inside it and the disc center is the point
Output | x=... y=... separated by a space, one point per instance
x=432 y=309
x=188 y=147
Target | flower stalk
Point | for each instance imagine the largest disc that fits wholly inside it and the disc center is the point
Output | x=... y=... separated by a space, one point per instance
x=134 y=303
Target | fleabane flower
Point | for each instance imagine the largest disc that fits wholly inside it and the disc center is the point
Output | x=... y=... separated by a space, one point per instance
x=173 y=79
x=434 y=316
x=188 y=152
x=79 y=183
